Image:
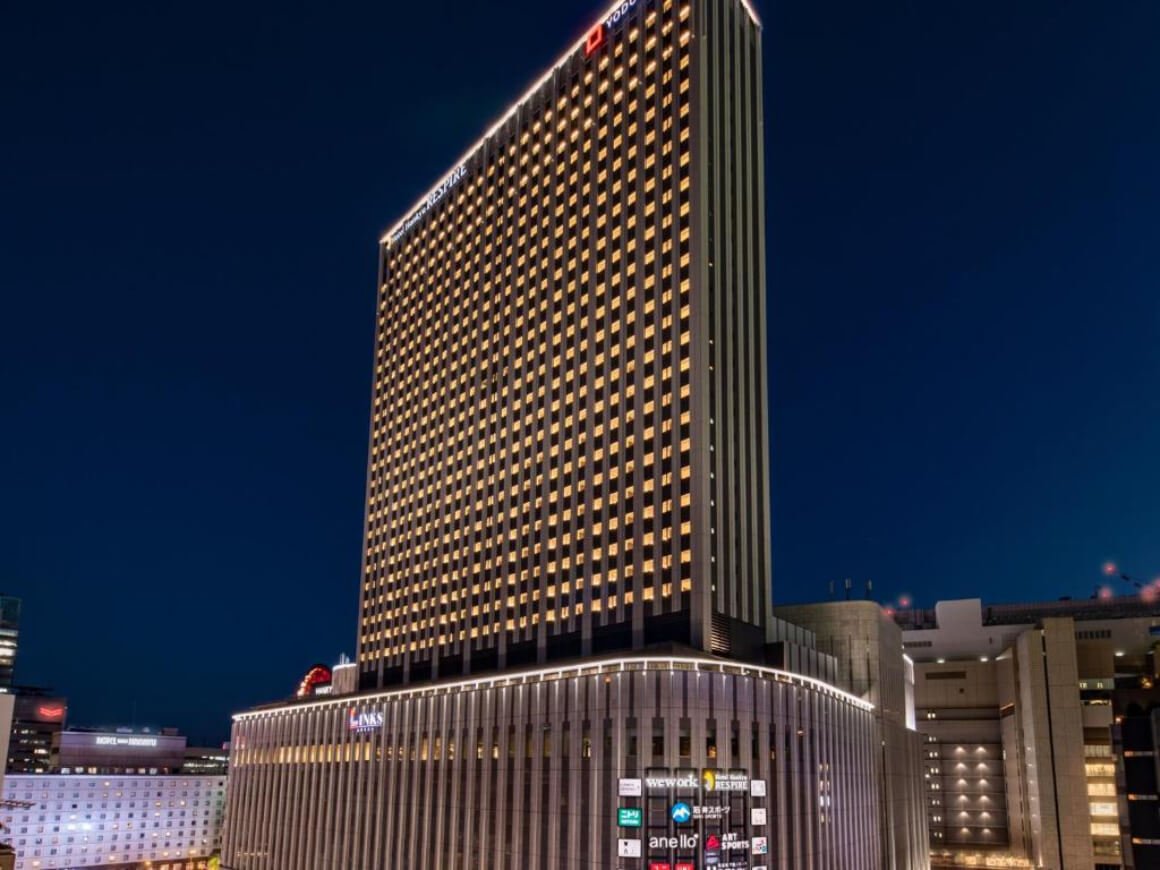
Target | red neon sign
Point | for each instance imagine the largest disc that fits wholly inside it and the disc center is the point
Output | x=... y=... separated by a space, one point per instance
x=50 y=714
x=317 y=676
x=595 y=40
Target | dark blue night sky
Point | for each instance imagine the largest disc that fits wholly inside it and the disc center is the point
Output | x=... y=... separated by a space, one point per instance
x=965 y=317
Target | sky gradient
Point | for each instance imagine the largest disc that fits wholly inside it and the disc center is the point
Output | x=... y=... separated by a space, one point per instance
x=964 y=318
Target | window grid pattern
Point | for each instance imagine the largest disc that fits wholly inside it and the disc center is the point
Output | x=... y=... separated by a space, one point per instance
x=530 y=456
x=71 y=821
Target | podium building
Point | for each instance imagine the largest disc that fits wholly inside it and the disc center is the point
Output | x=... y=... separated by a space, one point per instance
x=565 y=622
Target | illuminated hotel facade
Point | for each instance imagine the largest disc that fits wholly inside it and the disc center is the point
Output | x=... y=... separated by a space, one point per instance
x=568 y=438
x=565 y=624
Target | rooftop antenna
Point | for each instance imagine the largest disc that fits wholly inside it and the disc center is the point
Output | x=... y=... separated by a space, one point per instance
x=869 y=590
x=849 y=586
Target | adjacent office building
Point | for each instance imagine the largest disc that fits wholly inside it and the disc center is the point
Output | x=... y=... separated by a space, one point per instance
x=9 y=639
x=38 y=719
x=1034 y=718
x=565 y=625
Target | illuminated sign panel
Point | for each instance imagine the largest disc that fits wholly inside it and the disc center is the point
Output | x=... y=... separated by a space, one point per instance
x=431 y=201
x=50 y=712
x=316 y=682
x=363 y=722
x=687 y=780
x=594 y=41
x=710 y=813
x=629 y=817
x=628 y=848
x=618 y=13
x=724 y=780
x=681 y=813
x=596 y=35
x=119 y=740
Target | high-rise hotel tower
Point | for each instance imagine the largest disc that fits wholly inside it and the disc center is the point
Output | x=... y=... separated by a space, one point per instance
x=568 y=437
x=566 y=588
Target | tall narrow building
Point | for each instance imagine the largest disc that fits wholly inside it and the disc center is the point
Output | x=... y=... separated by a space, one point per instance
x=568 y=439
x=9 y=639
x=566 y=591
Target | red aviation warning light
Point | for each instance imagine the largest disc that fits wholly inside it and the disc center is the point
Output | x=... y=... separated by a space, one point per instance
x=595 y=39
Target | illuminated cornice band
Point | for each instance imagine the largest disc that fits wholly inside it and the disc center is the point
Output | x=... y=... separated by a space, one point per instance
x=432 y=198
x=424 y=203
x=521 y=678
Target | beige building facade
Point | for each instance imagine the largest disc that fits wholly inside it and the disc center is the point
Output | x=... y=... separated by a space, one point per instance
x=1017 y=717
x=866 y=649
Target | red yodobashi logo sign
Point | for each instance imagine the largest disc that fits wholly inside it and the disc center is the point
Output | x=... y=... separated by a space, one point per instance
x=595 y=40
x=50 y=712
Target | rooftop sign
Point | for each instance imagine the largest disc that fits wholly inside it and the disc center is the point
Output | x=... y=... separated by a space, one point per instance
x=432 y=199
x=122 y=740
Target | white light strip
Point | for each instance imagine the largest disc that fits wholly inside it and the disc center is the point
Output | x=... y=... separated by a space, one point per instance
x=752 y=12
x=709 y=666
x=540 y=82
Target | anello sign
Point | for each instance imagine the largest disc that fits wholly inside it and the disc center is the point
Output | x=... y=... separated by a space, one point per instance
x=682 y=841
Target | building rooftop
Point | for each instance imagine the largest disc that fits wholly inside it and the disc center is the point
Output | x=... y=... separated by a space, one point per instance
x=1025 y=613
